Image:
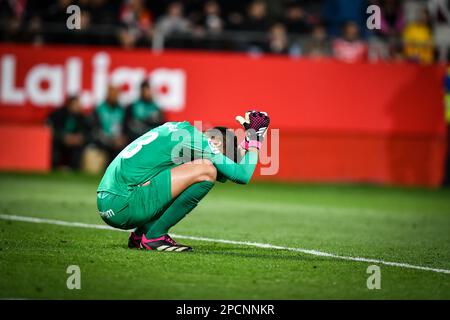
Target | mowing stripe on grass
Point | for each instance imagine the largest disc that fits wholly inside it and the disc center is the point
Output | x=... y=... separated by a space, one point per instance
x=241 y=243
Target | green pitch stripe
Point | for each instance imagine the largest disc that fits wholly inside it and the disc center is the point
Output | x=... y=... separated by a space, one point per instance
x=242 y=243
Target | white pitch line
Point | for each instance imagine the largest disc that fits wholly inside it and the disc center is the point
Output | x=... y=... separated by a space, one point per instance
x=241 y=243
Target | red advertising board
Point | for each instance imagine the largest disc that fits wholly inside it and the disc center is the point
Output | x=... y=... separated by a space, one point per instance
x=338 y=122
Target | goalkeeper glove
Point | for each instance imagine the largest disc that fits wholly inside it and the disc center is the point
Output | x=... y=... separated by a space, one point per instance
x=255 y=124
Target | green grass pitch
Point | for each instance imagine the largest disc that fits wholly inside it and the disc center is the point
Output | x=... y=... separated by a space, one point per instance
x=400 y=225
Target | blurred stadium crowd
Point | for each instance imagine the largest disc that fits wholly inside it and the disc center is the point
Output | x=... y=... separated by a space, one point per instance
x=412 y=30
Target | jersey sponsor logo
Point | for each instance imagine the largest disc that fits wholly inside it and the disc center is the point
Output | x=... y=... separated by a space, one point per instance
x=107 y=214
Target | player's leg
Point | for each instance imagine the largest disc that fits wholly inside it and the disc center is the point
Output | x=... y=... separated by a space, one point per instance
x=190 y=173
x=180 y=207
x=198 y=174
x=189 y=183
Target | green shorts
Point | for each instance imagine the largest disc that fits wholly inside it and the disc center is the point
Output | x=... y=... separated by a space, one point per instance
x=145 y=203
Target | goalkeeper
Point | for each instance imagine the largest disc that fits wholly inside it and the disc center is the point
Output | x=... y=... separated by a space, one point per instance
x=162 y=176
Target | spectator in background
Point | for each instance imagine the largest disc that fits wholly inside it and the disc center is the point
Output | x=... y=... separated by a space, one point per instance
x=383 y=42
x=85 y=34
x=55 y=19
x=103 y=11
x=318 y=46
x=296 y=19
x=11 y=20
x=143 y=114
x=350 y=47
x=56 y=12
x=338 y=12
x=440 y=16
x=278 y=41
x=212 y=21
x=256 y=19
x=418 y=39
x=173 y=22
x=108 y=124
x=70 y=133
x=136 y=21
x=392 y=19
x=397 y=53
x=207 y=26
x=234 y=15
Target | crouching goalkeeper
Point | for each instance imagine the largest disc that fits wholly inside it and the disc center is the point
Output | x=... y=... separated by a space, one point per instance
x=162 y=176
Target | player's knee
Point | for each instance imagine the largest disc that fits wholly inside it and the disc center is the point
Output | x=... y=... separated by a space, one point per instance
x=208 y=171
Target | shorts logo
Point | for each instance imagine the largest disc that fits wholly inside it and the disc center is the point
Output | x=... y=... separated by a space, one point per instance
x=107 y=214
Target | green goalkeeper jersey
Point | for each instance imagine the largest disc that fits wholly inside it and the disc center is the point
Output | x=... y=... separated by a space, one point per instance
x=165 y=147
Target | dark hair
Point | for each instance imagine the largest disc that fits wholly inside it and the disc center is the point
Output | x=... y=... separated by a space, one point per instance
x=70 y=99
x=145 y=84
x=229 y=141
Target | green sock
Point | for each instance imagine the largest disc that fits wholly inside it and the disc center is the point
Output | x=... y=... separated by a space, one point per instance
x=141 y=230
x=145 y=228
x=179 y=208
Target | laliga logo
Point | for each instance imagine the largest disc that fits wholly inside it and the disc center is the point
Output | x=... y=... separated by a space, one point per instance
x=47 y=85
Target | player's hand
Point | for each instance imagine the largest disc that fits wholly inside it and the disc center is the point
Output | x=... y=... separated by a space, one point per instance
x=255 y=124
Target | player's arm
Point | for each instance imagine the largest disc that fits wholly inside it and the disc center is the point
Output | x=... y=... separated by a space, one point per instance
x=240 y=172
x=255 y=124
x=241 y=152
x=227 y=169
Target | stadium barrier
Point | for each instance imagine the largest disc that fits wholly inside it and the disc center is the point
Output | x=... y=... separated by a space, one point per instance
x=25 y=147
x=381 y=123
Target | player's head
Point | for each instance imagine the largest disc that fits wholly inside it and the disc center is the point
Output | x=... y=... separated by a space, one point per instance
x=73 y=104
x=146 y=91
x=112 y=95
x=225 y=140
